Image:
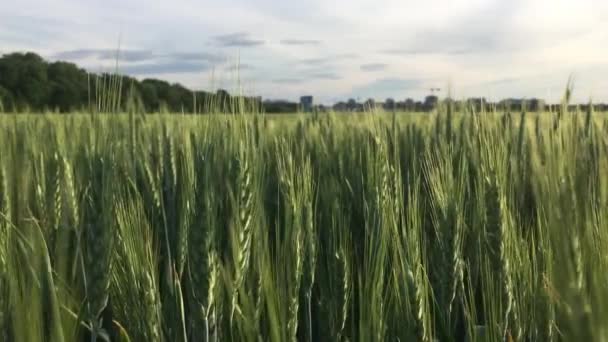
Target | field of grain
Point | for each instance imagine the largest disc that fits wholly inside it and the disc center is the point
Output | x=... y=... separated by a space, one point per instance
x=437 y=227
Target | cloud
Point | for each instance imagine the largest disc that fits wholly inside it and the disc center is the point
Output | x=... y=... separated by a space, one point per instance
x=315 y=61
x=239 y=67
x=105 y=54
x=288 y=81
x=32 y=30
x=143 y=62
x=506 y=80
x=239 y=39
x=170 y=67
x=387 y=87
x=328 y=59
x=492 y=30
x=324 y=76
x=457 y=42
x=374 y=67
x=196 y=56
x=300 y=42
x=428 y=51
x=468 y=42
x=346 y=56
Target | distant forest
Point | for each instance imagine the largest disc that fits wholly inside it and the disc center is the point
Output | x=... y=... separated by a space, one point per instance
x=29 y=83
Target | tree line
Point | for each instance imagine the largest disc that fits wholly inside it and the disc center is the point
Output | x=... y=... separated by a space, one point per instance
x=28 y=83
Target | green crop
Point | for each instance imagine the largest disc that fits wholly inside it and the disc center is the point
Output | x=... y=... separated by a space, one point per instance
x=449 y=226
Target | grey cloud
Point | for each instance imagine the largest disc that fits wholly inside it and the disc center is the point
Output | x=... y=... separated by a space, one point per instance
x=449 y=43
x=128 y=55
x=321 y=61
x=106 y=54
x=239 y=67
x=300 y=42
x=33 y=30
x=315 y=61
x=324 y=76
x=374 y=67
x=147 y=62
x=288 y=80
x=171 y=67
x=197 y=56
x=240 y=39
x=387 y=87
x=136 y=55
x=346 y=56
x=480 y=31
x=429 y=50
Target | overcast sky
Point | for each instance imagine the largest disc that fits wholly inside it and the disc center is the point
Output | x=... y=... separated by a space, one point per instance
x=332 y=49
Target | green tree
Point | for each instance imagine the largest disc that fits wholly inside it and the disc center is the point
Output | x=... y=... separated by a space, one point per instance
x=27 y=81
x=6 y=99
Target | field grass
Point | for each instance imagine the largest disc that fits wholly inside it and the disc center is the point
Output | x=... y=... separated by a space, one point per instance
x=426 y=227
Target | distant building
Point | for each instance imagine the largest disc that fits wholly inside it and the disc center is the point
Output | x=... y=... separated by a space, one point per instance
x=306 y=103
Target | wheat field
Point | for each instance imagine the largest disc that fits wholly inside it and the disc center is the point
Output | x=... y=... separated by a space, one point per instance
x=439 y=227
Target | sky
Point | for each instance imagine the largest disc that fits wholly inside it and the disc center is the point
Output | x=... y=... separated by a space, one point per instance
x=333 y=50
